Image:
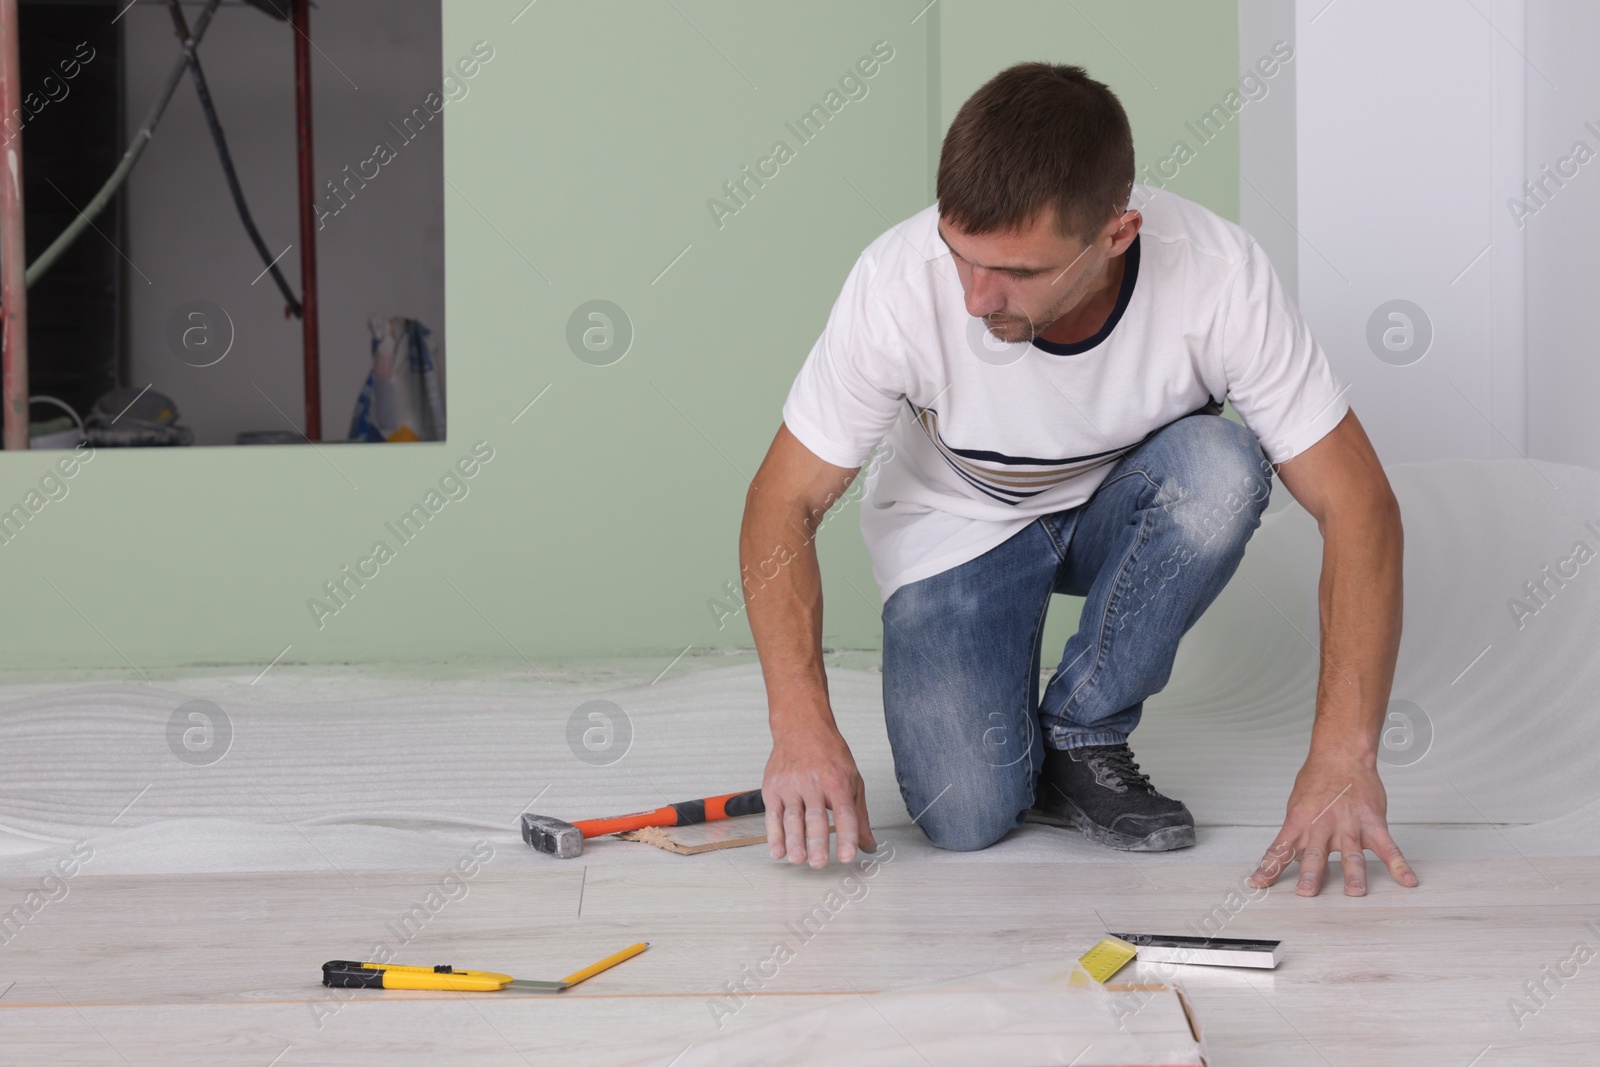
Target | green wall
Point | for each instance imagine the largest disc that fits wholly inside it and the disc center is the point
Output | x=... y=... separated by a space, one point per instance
x=580 y=169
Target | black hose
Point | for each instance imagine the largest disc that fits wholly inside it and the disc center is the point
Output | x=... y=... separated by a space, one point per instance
x=221 y=142
x=136 y=146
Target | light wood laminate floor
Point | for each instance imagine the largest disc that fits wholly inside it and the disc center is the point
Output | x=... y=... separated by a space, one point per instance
x=224 y=969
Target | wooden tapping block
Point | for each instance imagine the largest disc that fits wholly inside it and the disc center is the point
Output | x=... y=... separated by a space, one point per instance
x=708 y=837
x=655 y=835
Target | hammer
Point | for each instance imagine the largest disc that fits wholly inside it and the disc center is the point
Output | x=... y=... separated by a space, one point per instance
x=564 y=840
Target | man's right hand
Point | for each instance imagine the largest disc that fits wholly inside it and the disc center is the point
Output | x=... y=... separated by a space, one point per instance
x=811 y=770
x=809 y=774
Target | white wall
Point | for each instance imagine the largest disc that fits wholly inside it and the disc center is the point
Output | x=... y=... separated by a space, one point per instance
x=1268 y=193
x=374 y=61
x=1409 y=124
x=1563 y=254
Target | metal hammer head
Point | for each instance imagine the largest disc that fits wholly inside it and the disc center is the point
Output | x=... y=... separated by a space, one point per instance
x=552 y=836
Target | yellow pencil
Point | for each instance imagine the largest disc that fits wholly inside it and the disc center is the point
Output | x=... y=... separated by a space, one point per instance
x=610 y=961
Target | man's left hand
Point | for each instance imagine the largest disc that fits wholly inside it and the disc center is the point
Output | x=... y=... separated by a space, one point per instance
x=1336 y=806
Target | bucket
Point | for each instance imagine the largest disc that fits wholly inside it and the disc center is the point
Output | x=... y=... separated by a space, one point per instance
x=270 y=437
x=61 y=438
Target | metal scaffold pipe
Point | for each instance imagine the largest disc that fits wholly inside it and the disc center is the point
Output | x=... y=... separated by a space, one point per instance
x=13 y=244
x=308 y=228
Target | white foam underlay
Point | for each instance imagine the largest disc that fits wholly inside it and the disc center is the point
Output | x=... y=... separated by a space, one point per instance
x=383 y=768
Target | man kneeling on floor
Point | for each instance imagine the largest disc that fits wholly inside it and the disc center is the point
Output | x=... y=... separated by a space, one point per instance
x=1043 y=356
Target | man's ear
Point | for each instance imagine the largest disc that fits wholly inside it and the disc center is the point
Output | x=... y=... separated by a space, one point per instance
x=1122 y=230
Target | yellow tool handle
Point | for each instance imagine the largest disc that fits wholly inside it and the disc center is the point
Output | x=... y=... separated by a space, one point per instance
x=354 y=975
x=426 y=978
x=610 y=961
x=1107 y=958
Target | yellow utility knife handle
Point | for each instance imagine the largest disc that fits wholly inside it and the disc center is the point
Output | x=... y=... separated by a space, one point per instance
x=351 y=975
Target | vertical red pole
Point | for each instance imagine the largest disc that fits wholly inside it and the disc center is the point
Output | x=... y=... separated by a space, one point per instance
x=308 y=217
x=13 y=246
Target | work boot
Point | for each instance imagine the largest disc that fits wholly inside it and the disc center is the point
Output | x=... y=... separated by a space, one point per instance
x=1100 y=790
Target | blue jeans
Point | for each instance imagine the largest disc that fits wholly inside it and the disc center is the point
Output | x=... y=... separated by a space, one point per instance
x=1150 y=551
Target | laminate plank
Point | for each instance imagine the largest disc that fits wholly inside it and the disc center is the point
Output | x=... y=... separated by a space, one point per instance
x=224 y=968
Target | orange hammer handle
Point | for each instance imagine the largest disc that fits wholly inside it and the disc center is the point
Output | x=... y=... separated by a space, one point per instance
x=680 y=814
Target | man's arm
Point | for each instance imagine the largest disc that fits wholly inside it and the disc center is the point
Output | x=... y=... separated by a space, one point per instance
x=811 y=769
x=1338 y=801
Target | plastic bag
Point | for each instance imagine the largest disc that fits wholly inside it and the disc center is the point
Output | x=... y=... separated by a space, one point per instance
x=401 y=400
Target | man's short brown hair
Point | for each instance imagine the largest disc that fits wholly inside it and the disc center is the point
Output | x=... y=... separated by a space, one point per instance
x=1036 y=136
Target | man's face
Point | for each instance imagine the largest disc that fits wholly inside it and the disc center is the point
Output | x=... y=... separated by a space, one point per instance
x=1022 y=282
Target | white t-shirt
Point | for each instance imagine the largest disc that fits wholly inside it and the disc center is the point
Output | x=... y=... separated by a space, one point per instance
x=984 y=438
